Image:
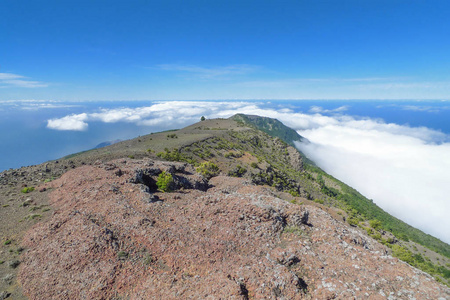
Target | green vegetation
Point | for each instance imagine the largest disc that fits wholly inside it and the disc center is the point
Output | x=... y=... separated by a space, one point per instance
x=208 y=169
x=237 y=171
x=26 y=190
x=375 y=224
x=122 y=254
x=7 y=242
x=233 y=155
x=330 y=192
x=172 y=136
x=32 y=217
x=272 y=127
x=294 y=193
x=420 y=262
x=176 y=155
x=254 y=165
x=203 y=153
x=202 y=118
x=164 y=182
x=49 y=179
x=360 y=208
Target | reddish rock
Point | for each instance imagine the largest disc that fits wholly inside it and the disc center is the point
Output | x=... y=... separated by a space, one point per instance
x=231 y=241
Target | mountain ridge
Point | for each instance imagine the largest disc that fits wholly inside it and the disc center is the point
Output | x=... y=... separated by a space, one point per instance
x=239 y=149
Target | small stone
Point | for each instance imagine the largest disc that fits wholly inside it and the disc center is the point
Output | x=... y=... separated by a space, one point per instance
x=14 y=264
x=8 y=278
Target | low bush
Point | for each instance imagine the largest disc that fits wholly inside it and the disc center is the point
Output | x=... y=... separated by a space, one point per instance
x=164 y=182
x=208 y=169
x=238 y=171
x=26 y=190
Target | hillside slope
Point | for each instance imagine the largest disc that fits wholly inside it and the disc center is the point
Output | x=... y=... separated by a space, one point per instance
x=115 y=236
x=362 y=211
x=242 y=154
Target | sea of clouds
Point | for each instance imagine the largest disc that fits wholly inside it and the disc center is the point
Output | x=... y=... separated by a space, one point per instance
x=405 y=170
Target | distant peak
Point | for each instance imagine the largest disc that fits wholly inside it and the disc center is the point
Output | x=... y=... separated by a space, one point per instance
x=271 y=126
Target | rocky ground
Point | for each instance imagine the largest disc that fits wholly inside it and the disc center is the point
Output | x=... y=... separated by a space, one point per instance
x=112 y=235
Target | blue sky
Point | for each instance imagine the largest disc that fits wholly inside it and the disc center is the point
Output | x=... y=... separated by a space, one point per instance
x=136 y=50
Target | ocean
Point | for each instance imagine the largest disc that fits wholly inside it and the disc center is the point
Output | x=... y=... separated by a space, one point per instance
x=26 y=139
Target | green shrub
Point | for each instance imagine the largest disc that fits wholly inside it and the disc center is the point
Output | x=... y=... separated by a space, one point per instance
x=229 y=154
x=375 y=224
x=32 y=217
x=49 y=179
x=26 y=190
x=352 y=221
x=320 y=201
x=238 y=171
x=208 y=169
x=294 y=193
x=7 y=242
x=175 y=155
x=254 y=165
x=164 y=182
x=232 y=154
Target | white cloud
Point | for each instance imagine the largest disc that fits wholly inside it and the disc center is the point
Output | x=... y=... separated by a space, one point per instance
x=405 y=170
x=207 y=73
x=420 y=108
x=9 y=76
x=14 y=80
x=318 y=109
x=37 y=104
x=70 y=122
x=397 y=166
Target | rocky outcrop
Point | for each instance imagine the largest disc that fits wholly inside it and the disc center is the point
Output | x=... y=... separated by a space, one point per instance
x=295 y=159
x=225 y=238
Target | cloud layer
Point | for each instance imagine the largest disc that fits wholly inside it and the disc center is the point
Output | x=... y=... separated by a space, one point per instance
x=405 y=170
x=14 y=80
